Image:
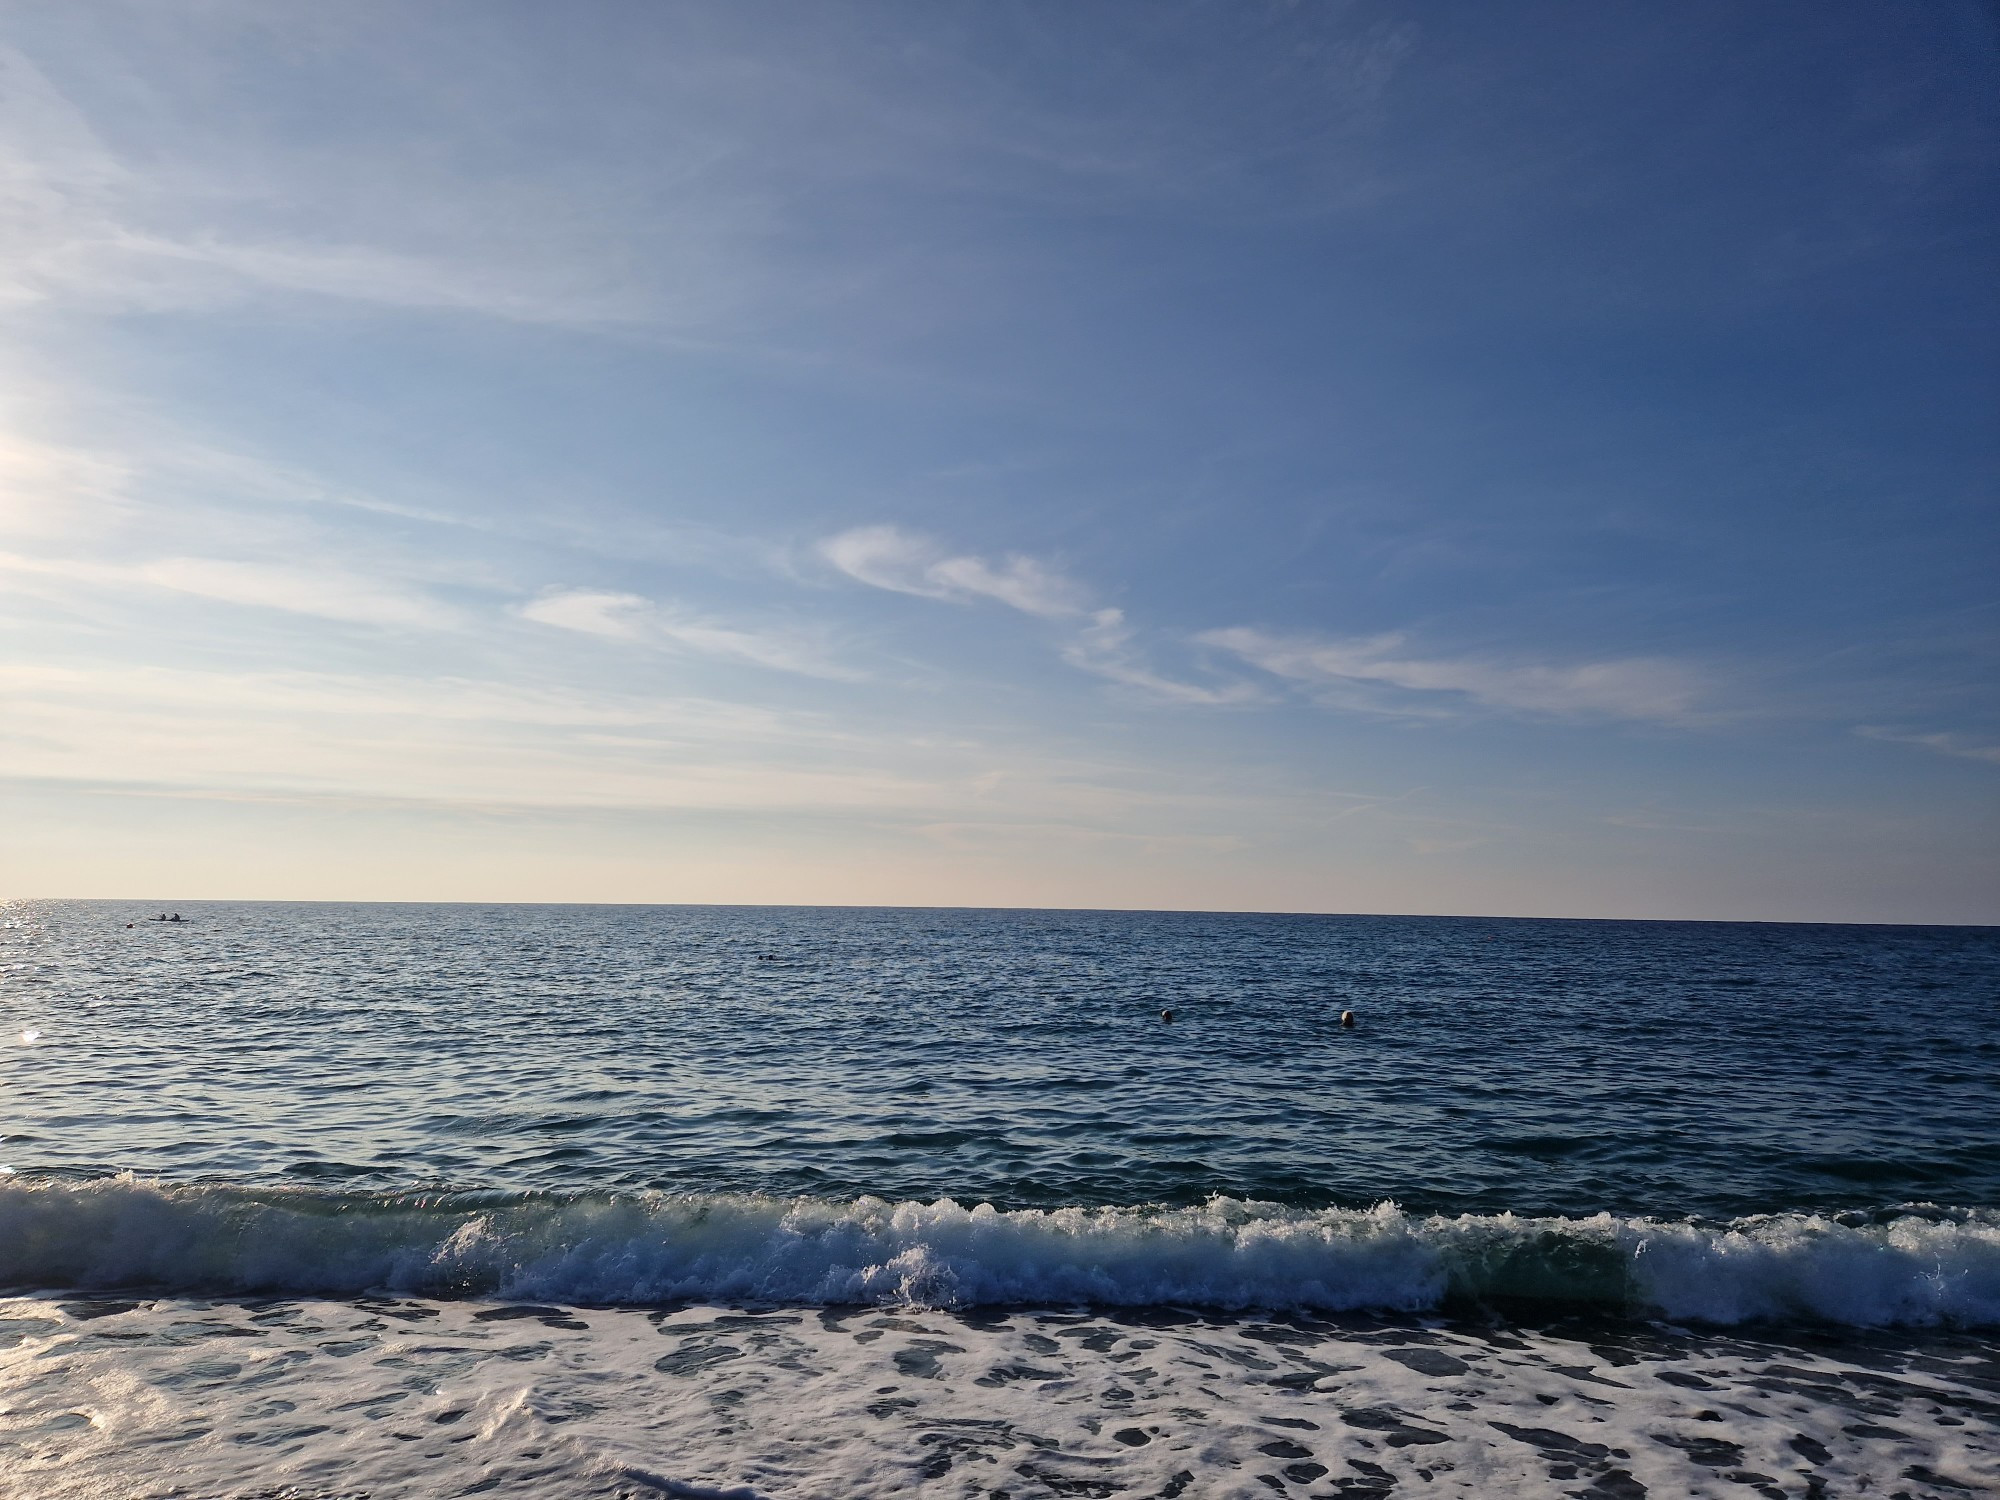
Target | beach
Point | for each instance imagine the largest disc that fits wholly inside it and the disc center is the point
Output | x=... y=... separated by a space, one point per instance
x=321 y=1201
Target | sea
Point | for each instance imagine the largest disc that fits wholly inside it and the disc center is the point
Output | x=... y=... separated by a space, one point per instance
x=324 y=1202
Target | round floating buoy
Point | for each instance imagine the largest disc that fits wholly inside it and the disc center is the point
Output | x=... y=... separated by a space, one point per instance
x=1166 y=1015
x=1347 y=1019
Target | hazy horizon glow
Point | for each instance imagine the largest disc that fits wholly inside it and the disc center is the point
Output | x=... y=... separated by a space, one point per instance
x=1254 y=456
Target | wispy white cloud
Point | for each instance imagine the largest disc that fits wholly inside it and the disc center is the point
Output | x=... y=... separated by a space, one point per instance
x=1018 y=582
x=439 y=740
x=382 y=695
x=1102 y=642
x=44 y=485
x=1105 y=647
x=328 y=593
x=203 y=221
x=470 y=742
x=642 y=621
x=1943 y=743
x=886 y=557
x=616 y=617
x=1640 y=688
x=702 y=171
x=358 y=273
x=99 y=471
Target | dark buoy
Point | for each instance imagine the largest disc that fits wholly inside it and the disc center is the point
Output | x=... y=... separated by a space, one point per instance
x=1347 y=1019
x=1167 y=1016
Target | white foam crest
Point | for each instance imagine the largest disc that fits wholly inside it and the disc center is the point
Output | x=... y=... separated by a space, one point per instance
x=649 y=1249
x=1781 y=1267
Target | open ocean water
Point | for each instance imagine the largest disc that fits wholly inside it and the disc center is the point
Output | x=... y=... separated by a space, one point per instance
x=325 y=1201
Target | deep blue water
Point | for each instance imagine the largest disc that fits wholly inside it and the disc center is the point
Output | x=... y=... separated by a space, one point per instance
x=1010 y=1057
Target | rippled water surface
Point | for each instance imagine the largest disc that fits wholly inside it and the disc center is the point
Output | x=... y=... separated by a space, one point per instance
x=599 y=1203
x=1017 y=1058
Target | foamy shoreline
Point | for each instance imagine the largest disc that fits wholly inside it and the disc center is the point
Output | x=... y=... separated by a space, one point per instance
x=314 y=1399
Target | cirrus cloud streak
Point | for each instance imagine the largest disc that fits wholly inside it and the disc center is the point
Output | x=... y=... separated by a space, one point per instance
x=886 y=557
x=641 y=621
x=1356 y=670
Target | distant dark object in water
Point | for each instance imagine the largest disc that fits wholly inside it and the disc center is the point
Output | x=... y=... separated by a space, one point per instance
x=1166 y=1015
x=1347 y=1019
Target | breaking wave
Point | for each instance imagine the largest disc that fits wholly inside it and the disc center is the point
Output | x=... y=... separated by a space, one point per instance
x=1915 y=1266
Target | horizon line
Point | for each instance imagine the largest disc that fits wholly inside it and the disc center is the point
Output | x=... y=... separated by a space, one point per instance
x=1184 y=911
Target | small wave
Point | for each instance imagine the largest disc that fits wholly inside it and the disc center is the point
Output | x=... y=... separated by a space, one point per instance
x=1912 y=1268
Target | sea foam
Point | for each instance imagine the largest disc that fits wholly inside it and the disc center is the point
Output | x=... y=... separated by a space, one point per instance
x=1917 y=1267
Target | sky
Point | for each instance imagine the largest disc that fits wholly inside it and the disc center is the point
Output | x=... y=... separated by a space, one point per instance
x=1267 y=455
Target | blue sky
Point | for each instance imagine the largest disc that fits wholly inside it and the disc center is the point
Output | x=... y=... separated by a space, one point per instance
x=1527 y=459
